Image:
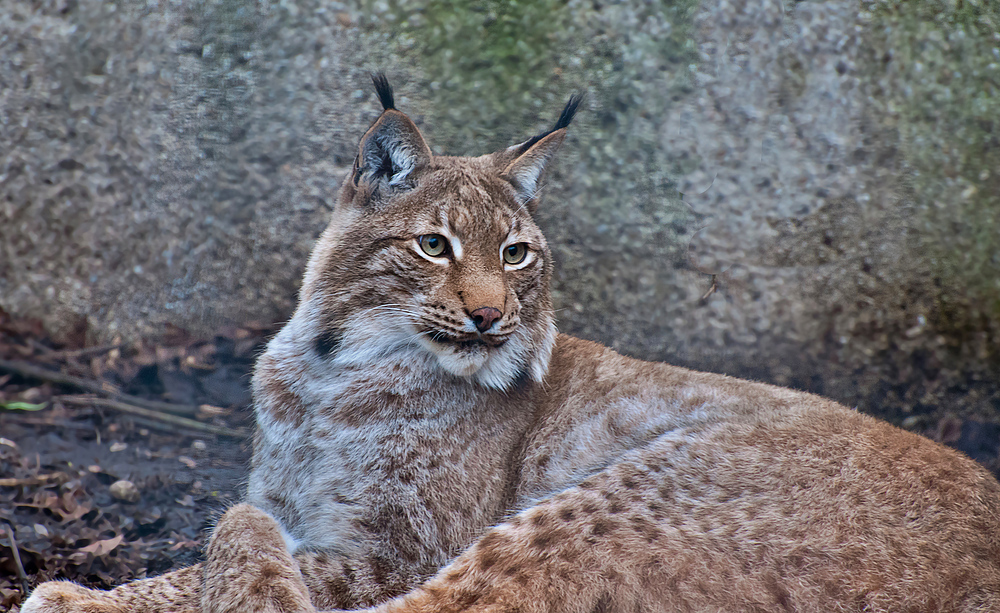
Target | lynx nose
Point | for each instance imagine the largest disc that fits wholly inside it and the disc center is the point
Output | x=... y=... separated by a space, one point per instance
x=484 y=317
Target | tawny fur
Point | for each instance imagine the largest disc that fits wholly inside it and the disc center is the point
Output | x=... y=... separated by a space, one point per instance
x=408 y=461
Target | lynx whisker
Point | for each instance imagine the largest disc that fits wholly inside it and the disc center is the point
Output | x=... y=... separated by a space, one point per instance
x=394 y=308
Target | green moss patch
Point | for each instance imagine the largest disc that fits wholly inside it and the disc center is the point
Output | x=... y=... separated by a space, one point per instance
x=937 y=63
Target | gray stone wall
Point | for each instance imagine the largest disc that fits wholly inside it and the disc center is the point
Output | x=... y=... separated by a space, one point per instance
x=829 y=168
x=166 y=162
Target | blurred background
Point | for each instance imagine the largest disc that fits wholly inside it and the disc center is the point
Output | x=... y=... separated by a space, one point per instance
x=805 y=193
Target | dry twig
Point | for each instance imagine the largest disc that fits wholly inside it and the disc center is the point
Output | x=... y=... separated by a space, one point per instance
x=712 y=289
x=78 y=354
x=155 y=418
x=36 y=480
x=62 y=423
x=23 y=576
x=95 y=387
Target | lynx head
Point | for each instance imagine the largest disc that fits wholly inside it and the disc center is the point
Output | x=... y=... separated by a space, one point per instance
x=438 y=255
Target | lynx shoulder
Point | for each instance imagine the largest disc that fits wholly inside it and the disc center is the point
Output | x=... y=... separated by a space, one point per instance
x=427 y=441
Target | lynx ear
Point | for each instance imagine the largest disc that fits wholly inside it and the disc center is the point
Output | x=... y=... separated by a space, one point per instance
x=524 y=163
x=392 y=151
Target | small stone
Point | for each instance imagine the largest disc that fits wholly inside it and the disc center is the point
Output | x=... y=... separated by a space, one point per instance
x=124 y=490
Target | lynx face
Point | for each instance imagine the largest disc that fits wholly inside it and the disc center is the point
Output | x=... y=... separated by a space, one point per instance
x=455 y=267
x=437 y=255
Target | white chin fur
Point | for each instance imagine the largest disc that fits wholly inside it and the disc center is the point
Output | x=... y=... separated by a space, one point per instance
x=496 y=368
x=463 y=363
x=491 y=367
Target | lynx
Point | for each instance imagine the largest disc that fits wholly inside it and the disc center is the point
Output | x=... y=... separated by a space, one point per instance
x=428 y=442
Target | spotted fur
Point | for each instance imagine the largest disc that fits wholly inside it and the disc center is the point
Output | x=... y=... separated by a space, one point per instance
x=407 y=461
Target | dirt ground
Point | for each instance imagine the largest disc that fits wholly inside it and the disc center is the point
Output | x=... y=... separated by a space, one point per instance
x=100 y=496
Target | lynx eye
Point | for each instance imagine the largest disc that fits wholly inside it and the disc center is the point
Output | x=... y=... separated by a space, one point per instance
x=515 y=254
x=433 y=245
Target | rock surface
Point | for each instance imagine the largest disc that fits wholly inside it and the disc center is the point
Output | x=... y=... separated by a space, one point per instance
x=829 y=168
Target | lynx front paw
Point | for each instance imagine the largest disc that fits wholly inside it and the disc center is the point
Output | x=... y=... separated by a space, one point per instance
x=245 y=524
x=66 y=597
x=249 y=568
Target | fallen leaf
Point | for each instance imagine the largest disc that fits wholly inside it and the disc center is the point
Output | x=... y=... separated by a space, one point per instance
x=98 y=549
x=101 y=548
x=206 y=411
x=185 y=545
x=21 y=406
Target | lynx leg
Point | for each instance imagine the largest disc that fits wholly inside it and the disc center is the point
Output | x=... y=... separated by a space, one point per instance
x=598 y=546
x=175 y=592
x=551 y=558
x=67 y=597
x=250 y=569
x=658 y=532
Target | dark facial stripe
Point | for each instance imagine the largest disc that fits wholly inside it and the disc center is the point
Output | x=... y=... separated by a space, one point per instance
x=328 y=341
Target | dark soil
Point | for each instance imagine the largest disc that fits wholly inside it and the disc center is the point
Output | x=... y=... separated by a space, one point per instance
x=58 y=461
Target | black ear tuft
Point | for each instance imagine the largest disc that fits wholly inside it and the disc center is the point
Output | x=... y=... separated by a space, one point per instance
x=384 y=91
x=568 y=112
x=564 y=118
x=392 y=152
